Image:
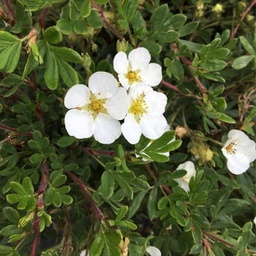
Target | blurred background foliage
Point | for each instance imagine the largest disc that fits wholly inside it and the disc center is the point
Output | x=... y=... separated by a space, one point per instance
x=59 y=195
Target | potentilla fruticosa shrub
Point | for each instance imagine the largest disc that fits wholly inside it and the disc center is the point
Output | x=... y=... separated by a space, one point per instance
x=127 y=127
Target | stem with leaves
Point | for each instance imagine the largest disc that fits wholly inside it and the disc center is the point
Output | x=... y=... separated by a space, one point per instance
x=81 y=185
x=40 y=203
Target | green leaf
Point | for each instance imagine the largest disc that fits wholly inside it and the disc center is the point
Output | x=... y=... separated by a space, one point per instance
x=66 y=54
x=52 y=35
x=121 y=213
x=11 y=214
x=167 y=37
x=213 y=64
x=80 y=27
x=159 y=16
x=188 y=28
x=18 y=188
x=59 y=181
x=197 y=233
x=247 y=46
x=36 y=158
x=65 y=26
x=66 y=199
x=136 y=203
x=123 y=184
x=97 y=246
x=28 y=186
x=152 y=203
x=13 y=198
x=51 y=74
x=107 y=186
x=176 y=21
x=66 y=141
x=10 y=49
x=101 y=1
x=242 y=61
x=67 y=73
x=5 y=249
x=153 y=47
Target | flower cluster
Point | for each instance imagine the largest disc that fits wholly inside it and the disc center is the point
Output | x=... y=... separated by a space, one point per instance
x=96 y=110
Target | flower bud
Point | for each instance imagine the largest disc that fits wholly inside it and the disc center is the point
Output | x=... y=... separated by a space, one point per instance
x=218 y=8
x=122 y=45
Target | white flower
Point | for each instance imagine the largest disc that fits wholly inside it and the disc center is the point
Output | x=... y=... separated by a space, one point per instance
x=94 y=110
x=145 y=114
x=136 y=68
x=153 y=251
x=240 y=151
x=254 y=220
x=191 y=172
x=84 y=253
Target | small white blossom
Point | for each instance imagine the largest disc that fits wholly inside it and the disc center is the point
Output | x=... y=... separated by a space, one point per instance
x=84 y=253
x=136 y=68
x=254 y=220
x=153 y=251
x=96 y=109
x=145 y=114
x=191 y=172
x=240 y=151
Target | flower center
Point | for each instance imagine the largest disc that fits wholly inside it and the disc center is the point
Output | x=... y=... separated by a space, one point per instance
x=133 y=76
x=96 y=106
x=138 y=107
x=230 y=148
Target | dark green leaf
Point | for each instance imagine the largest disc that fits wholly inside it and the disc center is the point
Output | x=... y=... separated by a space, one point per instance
x=66 y=141
x=107 y=186
x=136 y=203
x=159 y=16
x=11 y=214
x=188 y=28
x=51 y=74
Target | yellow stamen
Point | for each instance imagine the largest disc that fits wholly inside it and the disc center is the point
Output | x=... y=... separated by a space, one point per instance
x=230 y=148
x=138 y=107
x=133 y=76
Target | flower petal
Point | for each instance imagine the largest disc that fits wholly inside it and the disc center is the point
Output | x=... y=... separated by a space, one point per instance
x=189 y=167
x=124 y=81
x=77 y=96
x=117 y=106
x=156 y=102
x=151 y=74
x=153 y=251
x=153 y=127
x=103 y=85
x=131 y=129
x=139 y=58
x=139 y=89
x=121 y=63
x=238 y=163
x=107 y=129
x=79 y=123
x=183 y=184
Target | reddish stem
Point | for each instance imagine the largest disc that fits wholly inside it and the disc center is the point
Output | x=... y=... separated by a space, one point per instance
x=169 y=85
x=94 y=152
x=41 y=19
x=104 y=20
x=36 y=239
x=200 y=85
x=9 y=8
x=241 y=19
x=81 y=185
